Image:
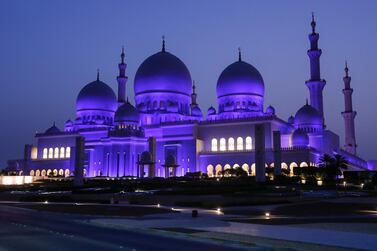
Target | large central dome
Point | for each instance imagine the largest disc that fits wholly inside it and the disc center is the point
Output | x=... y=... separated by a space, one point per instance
x=240 y=78
x=162 y=72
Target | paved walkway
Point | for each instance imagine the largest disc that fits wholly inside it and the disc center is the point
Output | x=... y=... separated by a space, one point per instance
x=209 y=220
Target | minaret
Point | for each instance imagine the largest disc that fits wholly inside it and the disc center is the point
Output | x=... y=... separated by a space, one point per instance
x=315 y=83
x=349 y=115
x=122 y=80
x=193 y=96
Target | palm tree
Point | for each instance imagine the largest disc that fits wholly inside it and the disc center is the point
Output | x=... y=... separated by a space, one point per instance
x=333 y=165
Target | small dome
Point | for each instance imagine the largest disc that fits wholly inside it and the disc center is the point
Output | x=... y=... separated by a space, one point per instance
x=163 y=72
x=211 y=111
x=308 y=116
x=68 y=122
x=170 y=161
x=300 y=138
x=240 y=78
x=146 y=157
x=270 y=110
x=53 y=130
x=195 y=111
x=291 y=120
x=127 y=113
x=96 y=96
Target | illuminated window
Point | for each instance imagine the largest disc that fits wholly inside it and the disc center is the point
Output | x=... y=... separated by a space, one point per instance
x=45 y=153
x=67 y=152
x=56 y=153
x=32 y=173
x=231 y=144
x=218 y=170
x=222 y=144
x=214 y=145
x=239 y=143
x=43 y=173
x=49 y=172
x=55 y=172
x=34 y=152
x=62 y=152
x=37 y=173
x=61 y=172
x=249 y=143
x=50 y=153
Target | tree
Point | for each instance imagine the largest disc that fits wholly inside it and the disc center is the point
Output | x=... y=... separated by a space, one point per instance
x=235 y=172
x=333 y=165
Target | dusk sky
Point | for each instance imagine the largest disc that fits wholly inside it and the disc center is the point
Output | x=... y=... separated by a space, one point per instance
x=51 y=49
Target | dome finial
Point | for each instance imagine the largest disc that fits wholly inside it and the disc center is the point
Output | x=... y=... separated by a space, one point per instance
x=122 y=55
x=163 y=43
x=193 y=86
x=239 y=54
x=313 y=23
x=97 y=74
x=346 y=69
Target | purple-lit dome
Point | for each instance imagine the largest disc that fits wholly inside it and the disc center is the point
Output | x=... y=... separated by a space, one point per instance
x=308 y=116
x=126 y=113
x=240 y=78
x=96 y=96
x=270 y=110
x=53 y=130
x=196 y=111
x=211 y=111
x=163 y=72
x=300 y=138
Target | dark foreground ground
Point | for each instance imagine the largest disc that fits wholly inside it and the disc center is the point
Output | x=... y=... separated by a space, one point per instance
x=23 y=229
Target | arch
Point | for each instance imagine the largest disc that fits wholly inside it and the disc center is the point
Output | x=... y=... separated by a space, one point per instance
x=55 y=172
x=56 y=153
x=303 y=164
x=67 y=152
x=249 y=143
x=218 y=169
x=252 y=169
x=222 y=144
x=20 y=173
x=50 y=153
x=245 y=167
x=48 y=172
x=240 y=143
x=37 y=173
x=32 y=173
x=43 y=173
x=236 y=166
x=61 y=172
x=231 y=144
x=214 y=145
x=66 y=173
x=44 y=156
x=284 y=165
x=210 y=171
x=291 y=166
x=227 y=166
x=62 y=152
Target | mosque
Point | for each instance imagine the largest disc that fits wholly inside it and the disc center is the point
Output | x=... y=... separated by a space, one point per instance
x=166 y=133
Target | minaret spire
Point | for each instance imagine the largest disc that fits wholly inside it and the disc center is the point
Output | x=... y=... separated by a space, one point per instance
x=163 y=44
x=315 y=83
x=122 y=79
x=239 y=54
x=349 y=114
x=193 y=96
x=97 y=74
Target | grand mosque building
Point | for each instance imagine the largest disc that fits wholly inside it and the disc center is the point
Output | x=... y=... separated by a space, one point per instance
x=167 y=134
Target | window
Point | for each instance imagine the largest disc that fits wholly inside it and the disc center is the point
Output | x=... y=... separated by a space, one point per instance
x=239 y=143
x=249 y=143
x=67 y=152
x=44 y=153
x=210 y=171
x=231 y=144
x=214 y=145
x=56 y=153
x=222 y=144
x=62 y=152
x=50 y=153
x=34 y=152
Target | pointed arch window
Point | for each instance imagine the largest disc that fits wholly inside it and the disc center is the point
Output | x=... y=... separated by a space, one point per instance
x=214 y=145
x=231 y=144
x=249 y=143
x=222 y=144
x=239 y=143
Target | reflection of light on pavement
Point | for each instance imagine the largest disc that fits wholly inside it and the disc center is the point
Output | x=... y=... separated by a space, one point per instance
x=46 y=202
x=158 y=205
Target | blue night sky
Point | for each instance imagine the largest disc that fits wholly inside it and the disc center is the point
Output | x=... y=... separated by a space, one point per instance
x=51 y=49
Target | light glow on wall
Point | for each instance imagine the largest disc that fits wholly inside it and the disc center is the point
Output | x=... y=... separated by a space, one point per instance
x=15 y=180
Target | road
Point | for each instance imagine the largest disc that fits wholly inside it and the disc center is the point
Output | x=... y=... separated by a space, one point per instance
x=22 y=229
